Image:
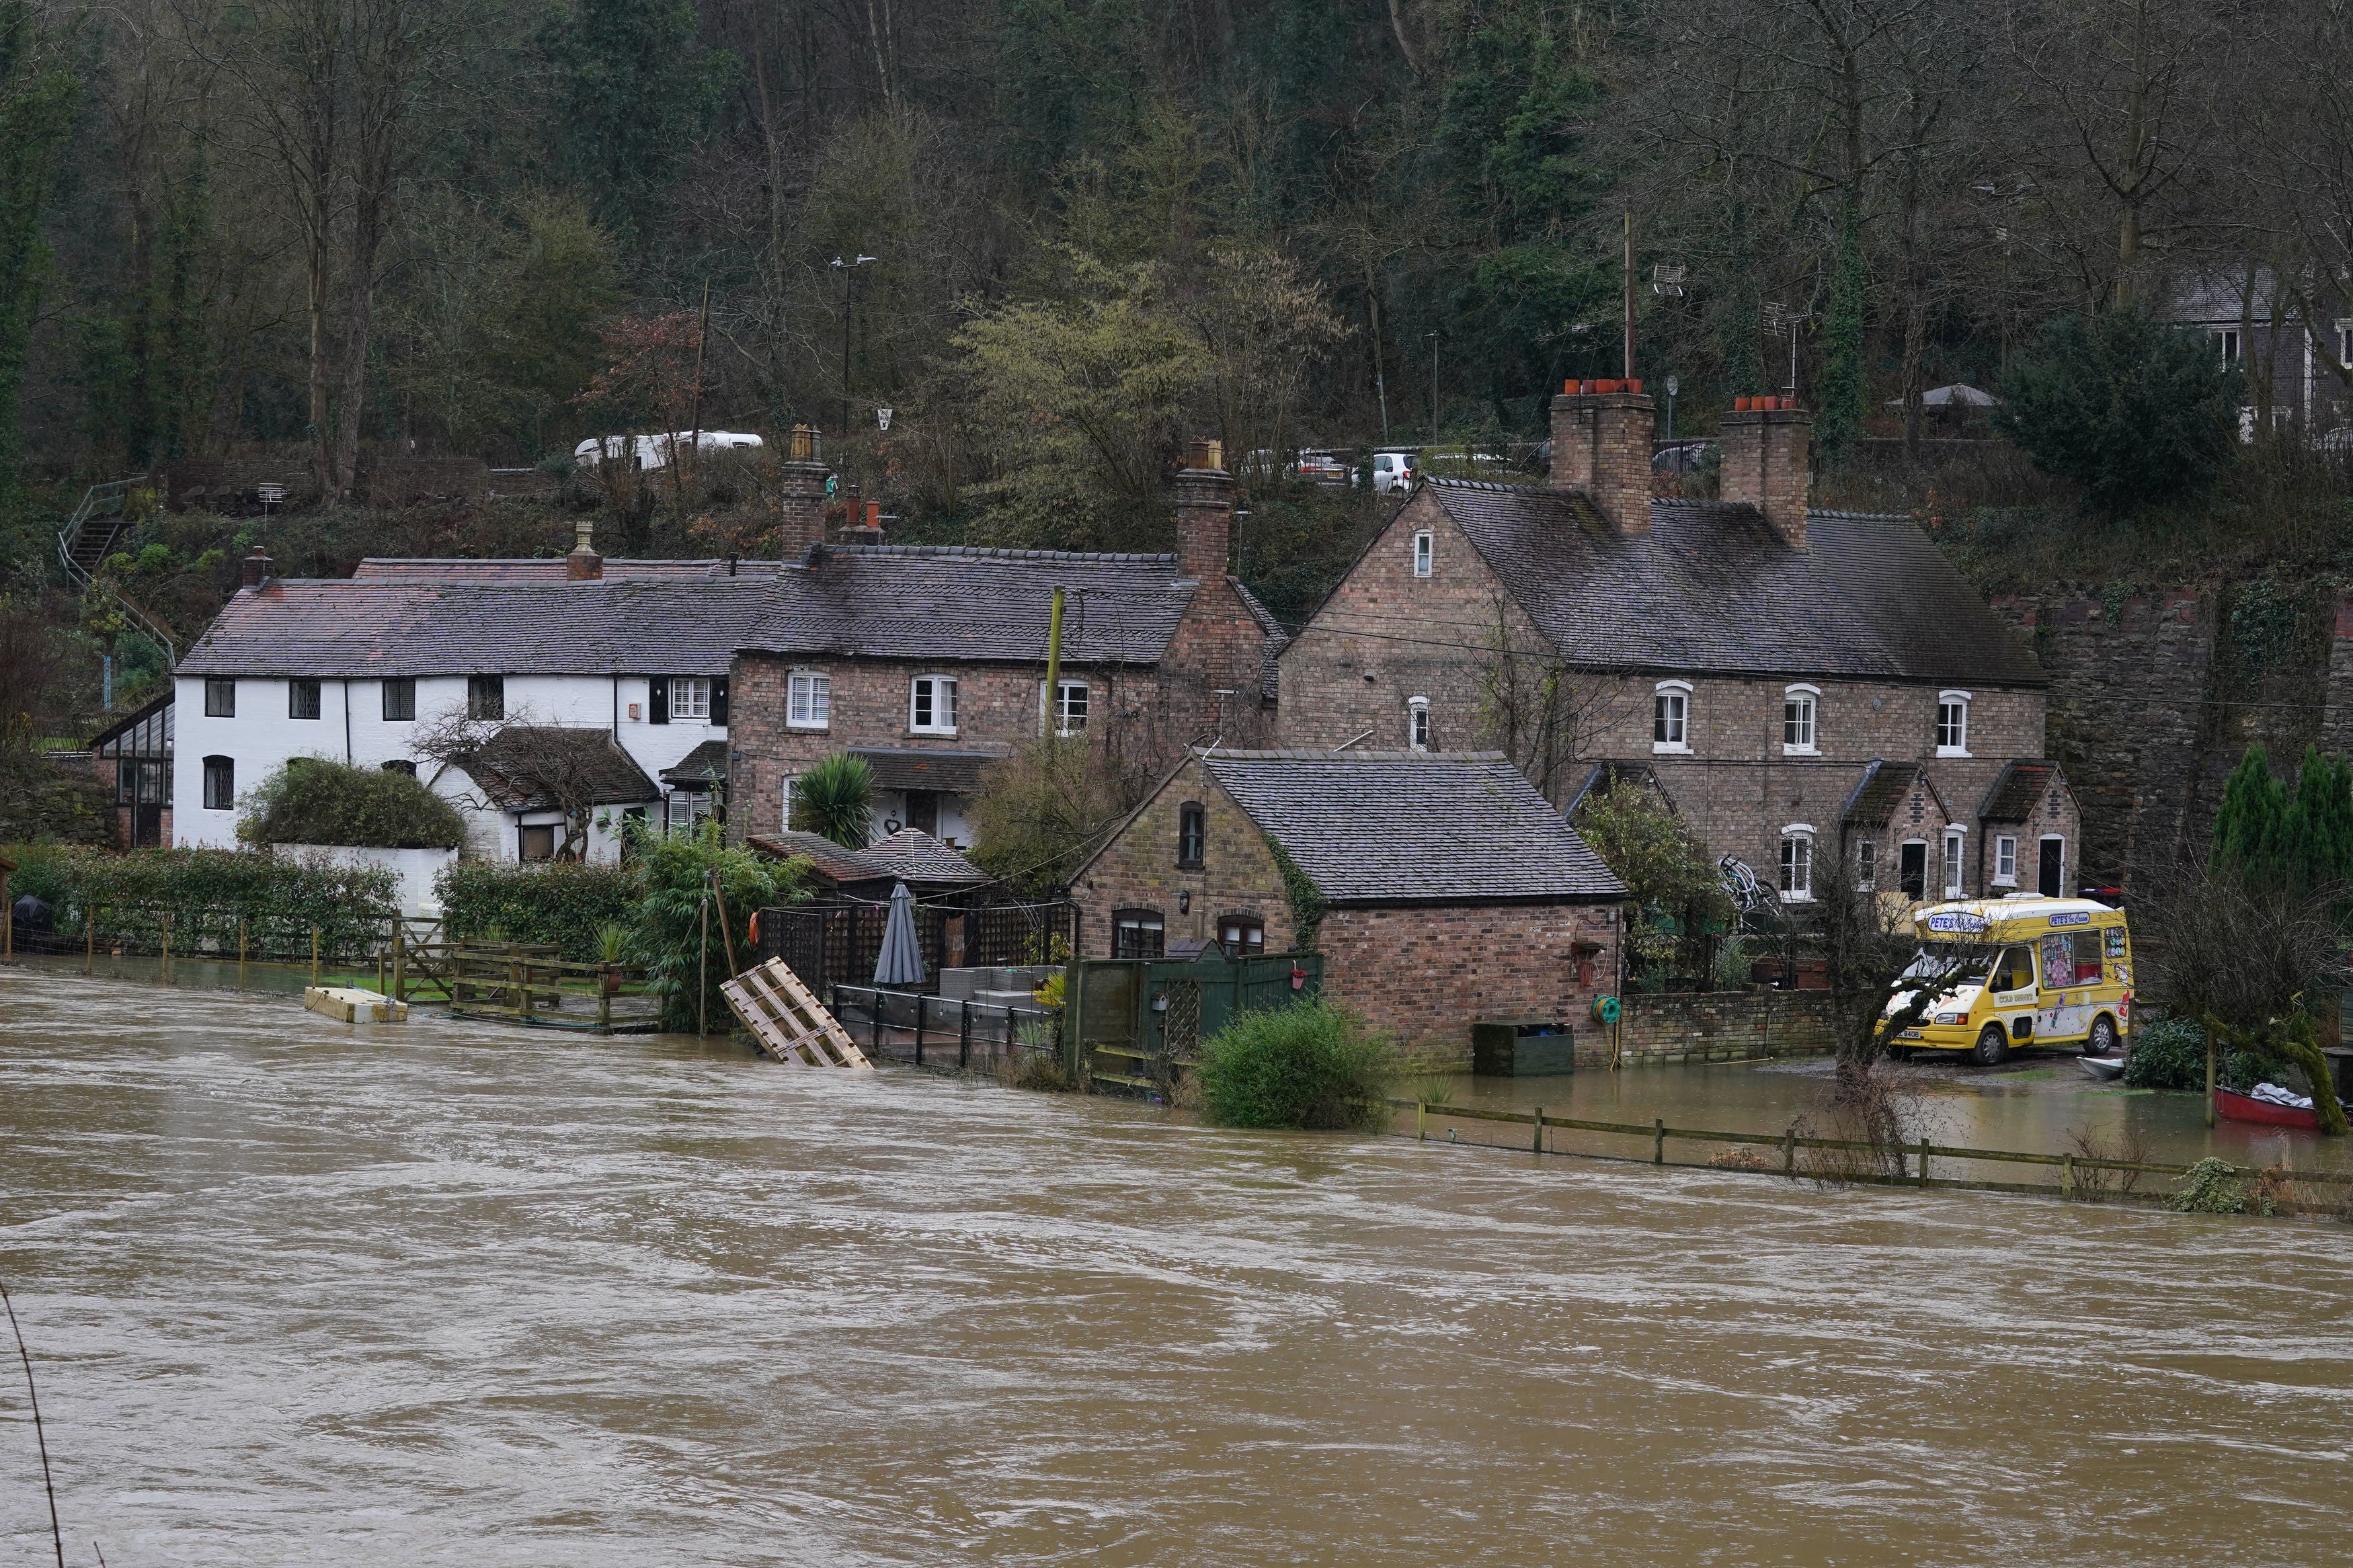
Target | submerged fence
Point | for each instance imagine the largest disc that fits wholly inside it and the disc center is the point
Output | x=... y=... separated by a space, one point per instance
x=946 y=1031
x=1792 y=1154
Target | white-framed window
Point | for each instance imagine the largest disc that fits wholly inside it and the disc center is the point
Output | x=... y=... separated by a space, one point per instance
x=685 y=807
x=1955 y=846
x=1424 y=547
x=1671 y=716
x=1070 y=705
x=1799 y=708
x=2227 y=339
x=1417 y=723
x=2344 y=345
x=785 y=815
x=690 y=697
x=1796 y=863
x=2005 y=861
x=1952 y=723
x=1866 y=867
x=931 y=705
x=808 y=700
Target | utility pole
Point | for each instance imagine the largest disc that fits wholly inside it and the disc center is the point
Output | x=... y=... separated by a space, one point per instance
x=1433 y=387
x=1054 y=666
x=848 y=294
x=1630 y=294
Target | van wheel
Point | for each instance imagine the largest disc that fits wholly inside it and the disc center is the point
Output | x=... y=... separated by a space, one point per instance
x=1993 y=1049
x=2103 y=1036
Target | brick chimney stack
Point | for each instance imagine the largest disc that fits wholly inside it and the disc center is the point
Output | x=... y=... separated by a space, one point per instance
x=801 y=494
x=1205 y=514
x=1763 y=444
x=254 y=570
x=1601 y=446
x=584 y=565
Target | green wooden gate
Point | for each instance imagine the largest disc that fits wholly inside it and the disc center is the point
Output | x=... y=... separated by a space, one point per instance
x=1135 y=1023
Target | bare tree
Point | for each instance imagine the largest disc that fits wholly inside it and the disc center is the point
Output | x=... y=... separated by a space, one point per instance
x=1531 y=705
x=517 y=764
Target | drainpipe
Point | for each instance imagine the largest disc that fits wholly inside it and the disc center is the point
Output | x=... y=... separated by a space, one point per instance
x=347 y=720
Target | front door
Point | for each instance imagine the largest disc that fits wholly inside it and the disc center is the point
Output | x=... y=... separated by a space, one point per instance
x=923 y=811
x=2053 y=884
x=1912 y=871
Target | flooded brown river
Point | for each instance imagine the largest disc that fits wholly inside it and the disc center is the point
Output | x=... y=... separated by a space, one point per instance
x=448 y=1293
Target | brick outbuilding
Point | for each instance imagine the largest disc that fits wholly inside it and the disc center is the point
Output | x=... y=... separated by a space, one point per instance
x=1439 y=888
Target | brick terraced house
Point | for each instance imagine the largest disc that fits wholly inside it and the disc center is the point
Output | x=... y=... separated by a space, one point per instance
x=1800 y=685
x=929 y=661
x=1445 y=888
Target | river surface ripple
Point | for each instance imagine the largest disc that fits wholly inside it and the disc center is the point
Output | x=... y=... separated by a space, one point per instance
x=449 y=1293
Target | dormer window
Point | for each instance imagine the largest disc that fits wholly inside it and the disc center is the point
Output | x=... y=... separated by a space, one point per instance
x=1952 y=723
x=1798 y=707
x=1671 y=716
x=1424 y=546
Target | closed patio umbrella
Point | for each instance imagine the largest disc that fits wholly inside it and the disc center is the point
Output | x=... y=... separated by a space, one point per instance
x=901 y=961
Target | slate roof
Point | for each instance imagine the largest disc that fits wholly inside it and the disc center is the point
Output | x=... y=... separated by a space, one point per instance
x=950 y=603
x=366 y=628
x=1711 y=588
x=1424 y=827
x=910 y=854
x=707 y=764
x=1270 y=674
x=1884 y=786
x=956 y=772
x=609 y=774
x=2017 y=789
x=540 y=569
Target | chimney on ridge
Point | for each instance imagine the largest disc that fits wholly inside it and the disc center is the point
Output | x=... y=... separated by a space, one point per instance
x=584 y=565
x=1601 y=445
x=801 y=494
x=1205 y=513
x=1764 y=447
x=254 y=570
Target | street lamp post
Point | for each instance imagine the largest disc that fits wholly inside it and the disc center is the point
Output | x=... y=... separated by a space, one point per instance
x=848 y=268
x=1673 y=388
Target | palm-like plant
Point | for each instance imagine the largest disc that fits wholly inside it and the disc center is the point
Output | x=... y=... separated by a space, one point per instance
x=835 y=799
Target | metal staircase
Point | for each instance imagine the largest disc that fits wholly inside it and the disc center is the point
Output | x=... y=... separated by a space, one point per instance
x=89 y=537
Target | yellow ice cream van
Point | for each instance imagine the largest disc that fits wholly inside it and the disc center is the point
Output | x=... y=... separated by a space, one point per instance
x=2033 y=972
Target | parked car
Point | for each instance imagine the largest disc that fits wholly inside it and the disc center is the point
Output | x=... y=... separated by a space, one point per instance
x=1393 y=469
x=1325 y=468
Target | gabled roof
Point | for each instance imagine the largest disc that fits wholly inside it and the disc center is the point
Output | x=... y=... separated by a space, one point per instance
x=834 y=862
x=540 y=569
x=511 y=764
x=909 y=855
x=372 y=628
x=954 y=602
x=707 y=764
x=1430 y=828
x=2017 y=789
x=1883 y=787
x=1711 y=588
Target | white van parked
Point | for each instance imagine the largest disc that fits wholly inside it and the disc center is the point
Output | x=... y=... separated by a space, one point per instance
x=653 y=451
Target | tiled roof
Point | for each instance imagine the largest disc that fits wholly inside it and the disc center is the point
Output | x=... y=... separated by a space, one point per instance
x=509 y=762
x=2016 y=791
x=918 y=602
x=1712 y=588
x=368 y=628
x=958 y=772
x=1270 y=678
x=909 y=855
x=707 y=764
x=1883 y=787
x=540 y=569
x=1414 y=826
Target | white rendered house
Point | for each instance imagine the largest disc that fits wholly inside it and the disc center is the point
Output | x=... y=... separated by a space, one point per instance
x=352 y=668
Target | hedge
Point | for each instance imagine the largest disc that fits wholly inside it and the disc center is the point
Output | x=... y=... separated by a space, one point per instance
x=314 y=801
x=280 y=895
x=559 y=902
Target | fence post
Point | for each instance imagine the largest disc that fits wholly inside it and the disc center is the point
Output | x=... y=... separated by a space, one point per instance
x=314 y=955
x=240 y=953
x=1535 y=1140
x=2067 y=1175
x=1789 y=1151
x=89 y=943
x=605 y=998
x=1421 y=1120
x=920 y=1011
x=963 y=1034
x=167 y=947
x=522 y=1013
x=399 y=958
x=1658 y=1140
x=1923 y=1161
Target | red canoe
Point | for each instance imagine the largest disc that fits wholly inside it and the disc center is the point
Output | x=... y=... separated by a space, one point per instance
x=2232 y=1106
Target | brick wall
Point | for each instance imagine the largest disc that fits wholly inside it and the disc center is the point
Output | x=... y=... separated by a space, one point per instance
x=1601 y=446
x=1427 y=974
x=1720 y=1024
x=1767 y=462
x=1138 y=870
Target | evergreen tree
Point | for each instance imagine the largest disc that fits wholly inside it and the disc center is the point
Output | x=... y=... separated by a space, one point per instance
x=2251 y=830
x=635 y=96
x=36 y=111
x=2317 y=839
x=1844 y=388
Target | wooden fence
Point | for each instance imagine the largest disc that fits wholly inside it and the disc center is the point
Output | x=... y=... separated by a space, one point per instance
x=2079 y=1175
x=514 y=983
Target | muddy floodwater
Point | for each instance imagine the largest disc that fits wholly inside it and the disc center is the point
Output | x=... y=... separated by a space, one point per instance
x=447 y=1293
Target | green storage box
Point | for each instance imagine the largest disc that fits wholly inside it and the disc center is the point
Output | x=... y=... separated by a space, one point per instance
x=1521 y=1048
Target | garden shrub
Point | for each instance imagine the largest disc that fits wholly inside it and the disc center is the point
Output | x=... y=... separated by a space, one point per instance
x=561 y=903
x=2131 y=408
x=2207 y=1188
x=314 y=801
x=667 y=930
x=1311 y=1064
x=2166 y=1053
x=278 y=894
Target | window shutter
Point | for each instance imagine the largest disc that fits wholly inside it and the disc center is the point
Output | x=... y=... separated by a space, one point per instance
x=719 y=700
x=657 y=699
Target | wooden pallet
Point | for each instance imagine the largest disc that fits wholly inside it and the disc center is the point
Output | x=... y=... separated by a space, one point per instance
x=790 y=1023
